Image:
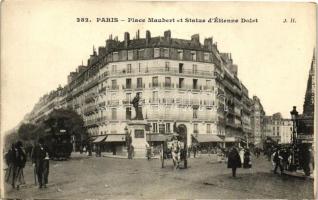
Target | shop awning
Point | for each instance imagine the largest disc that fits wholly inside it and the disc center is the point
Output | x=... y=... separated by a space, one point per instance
x=201 y=138
x=99 y=139
x=115 y=138
x=157 y=137
x=229 y=139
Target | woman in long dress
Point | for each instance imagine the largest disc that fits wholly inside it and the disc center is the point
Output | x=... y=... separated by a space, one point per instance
x=10 y=159
x=20 y=164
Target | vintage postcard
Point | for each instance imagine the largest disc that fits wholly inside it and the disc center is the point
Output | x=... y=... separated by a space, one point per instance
x=158 y=100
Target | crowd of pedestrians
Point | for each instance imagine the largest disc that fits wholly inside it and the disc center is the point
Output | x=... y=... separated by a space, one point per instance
x=16 y=159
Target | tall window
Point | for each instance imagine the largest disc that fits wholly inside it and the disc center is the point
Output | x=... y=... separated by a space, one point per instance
x=180 y=54
x=194 y=69
x=180 y=67
x=128 y=113
x=167 y=66
x=128 y=83
x=181 y=80
x=168 y=127
x=206 y=57
x=155 y=81
x=166 y=52
x=193 y=56
x=139 y=82
x=208 y=128
x=156 y=52
x=161 y=128
x=115 y=56
x=195 y=128
x=114 y=68
x=128 y=68
x=114 y=113
x=155 y=95
x=195 y=113
x=114 y=84
x=139 y=67
x=128 y=97
x=167 y=81
x=154 y=127
x=195 y=83
x=208 y=84
x=130 y=55
x=141 y=53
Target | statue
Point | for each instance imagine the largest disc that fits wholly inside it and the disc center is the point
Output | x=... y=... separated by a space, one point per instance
x=136 y=102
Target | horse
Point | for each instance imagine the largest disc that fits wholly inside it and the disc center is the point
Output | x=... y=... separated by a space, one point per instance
x=176 y=149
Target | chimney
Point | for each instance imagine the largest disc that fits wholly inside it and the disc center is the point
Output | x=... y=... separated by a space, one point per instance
x=137 y=35
x=167 y=34
x=148 y=37
x=195 y=39
x=208 y=43
x=126 y=38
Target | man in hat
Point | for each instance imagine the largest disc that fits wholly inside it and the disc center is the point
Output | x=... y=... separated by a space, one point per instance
x=40 y=162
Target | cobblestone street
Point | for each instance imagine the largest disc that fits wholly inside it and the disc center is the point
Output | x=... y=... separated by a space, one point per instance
x=99 y=178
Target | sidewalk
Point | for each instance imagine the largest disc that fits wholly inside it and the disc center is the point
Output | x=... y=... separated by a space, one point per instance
x=298 y=174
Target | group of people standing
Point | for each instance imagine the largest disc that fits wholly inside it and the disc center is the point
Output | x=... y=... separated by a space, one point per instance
x=16 y=159
x=238 y=158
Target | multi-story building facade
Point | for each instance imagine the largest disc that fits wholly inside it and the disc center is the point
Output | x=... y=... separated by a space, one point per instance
x=305 y=132
x=257 y=121
x=278 y=128
x=179 y=81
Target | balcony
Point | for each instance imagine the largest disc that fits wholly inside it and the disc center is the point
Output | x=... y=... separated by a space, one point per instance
x=207 y=88
x=167 y=85
x=90 y=110
x=90 y=122
x=154 y=85
x=168 y=100
x=154 y=101
x=196 y=88
x=113 y=87
x=102 y=104
x=102 y=90
x=184 y=87
x=208 y=103
x=101 y=120
x=126 y=102
x=164 y=70
x=90 y=98
x=113 y=102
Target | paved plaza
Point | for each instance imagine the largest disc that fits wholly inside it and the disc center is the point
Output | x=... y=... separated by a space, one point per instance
x=102 y=177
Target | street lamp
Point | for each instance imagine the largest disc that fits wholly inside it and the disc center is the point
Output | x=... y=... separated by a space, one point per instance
x=294 y=115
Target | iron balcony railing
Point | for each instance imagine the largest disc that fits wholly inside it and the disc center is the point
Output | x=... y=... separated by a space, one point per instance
x=161 y=70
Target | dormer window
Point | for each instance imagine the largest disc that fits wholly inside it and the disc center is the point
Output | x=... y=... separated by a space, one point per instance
x=180 y=54
x=130 y=55
x=141 y=53
x=115 y=56
x=166 y=52
x=206 y=57
x=193 y=56
x=156 y=52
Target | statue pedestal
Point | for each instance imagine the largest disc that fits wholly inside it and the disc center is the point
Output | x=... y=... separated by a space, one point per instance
x=138 y=134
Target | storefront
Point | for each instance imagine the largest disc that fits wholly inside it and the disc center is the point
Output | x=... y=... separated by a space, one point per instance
x=115 y=144
x=207 y=143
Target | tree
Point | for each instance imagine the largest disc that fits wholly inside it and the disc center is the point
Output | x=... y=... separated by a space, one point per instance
x=26 y=131
x=68 y=120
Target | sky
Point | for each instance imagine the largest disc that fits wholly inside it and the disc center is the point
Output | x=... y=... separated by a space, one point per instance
x=42 y=42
